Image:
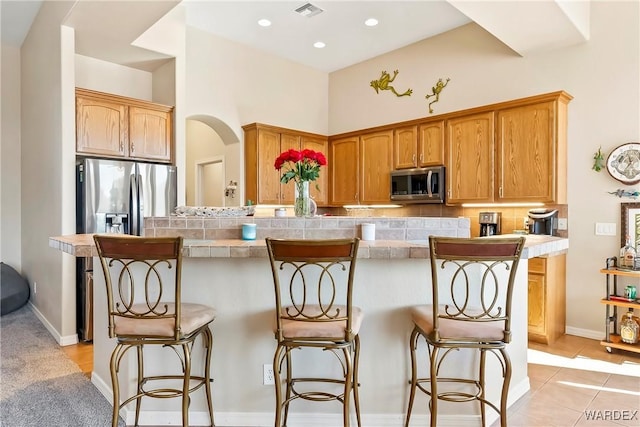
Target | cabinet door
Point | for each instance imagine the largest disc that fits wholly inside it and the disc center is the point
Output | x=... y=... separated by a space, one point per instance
x=149 y=134
x=537 y=303
x=431 y=144
x=287 y=142
x=469 y=159
x=343 y=164
x=526 y=153
x=319 y=189
x=101 y=127
x=405 y=142
x=268 y=177
x=376 y=163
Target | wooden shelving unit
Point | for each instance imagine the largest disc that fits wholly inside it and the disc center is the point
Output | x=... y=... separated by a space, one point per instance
x=612 y=317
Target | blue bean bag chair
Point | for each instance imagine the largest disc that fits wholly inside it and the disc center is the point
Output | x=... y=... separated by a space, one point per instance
x=14 y=289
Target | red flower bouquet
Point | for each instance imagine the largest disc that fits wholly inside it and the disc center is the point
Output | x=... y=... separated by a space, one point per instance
x=300 y=165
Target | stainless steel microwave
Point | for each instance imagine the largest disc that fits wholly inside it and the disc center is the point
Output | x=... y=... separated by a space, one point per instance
x=420 y=185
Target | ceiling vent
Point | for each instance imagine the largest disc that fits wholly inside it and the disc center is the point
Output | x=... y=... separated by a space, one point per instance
x=309 y=10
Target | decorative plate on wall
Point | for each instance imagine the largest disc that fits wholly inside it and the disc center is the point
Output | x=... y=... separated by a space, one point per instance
x=623 y=163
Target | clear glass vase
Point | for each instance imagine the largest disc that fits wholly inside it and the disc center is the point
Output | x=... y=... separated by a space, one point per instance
x=302 y=206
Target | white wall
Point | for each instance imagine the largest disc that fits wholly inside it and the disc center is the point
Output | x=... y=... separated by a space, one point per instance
x=10 y=187
x=602 y=75
x=47 y=167
x=103 y=76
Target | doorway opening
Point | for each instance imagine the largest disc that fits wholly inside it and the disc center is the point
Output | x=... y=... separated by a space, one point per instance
x=210 y=179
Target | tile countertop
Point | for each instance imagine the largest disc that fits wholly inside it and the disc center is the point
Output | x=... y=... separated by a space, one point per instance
x=82 y=245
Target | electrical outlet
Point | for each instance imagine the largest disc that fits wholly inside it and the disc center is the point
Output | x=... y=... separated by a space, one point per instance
x=562 y=223
x=267 y=374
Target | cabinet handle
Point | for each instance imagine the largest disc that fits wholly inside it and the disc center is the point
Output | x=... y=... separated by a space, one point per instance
x=500 y=191
x=421 y=157
x=413 y=159
x=132 y=148
x=121 y=146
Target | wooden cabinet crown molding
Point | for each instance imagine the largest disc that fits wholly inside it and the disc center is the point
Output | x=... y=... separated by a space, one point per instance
x=123 y=100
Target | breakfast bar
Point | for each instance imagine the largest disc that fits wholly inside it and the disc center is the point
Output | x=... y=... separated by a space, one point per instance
x=233 y=275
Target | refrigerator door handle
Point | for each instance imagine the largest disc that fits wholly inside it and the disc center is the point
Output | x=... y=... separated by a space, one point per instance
x=140 y=203
x=133 y=205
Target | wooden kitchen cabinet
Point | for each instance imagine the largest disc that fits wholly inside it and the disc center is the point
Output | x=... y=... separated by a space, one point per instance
x=319 y=190
x=118 y=127
x=418 y=145
x=532 y=146
x=344 y=169
x=263 y=144
x=547 y=298
x=149 y=134
x=376 y=163
x=469 y=158
x=521 y=158
x=361 y=167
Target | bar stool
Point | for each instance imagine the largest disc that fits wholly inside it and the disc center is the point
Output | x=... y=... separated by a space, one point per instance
x=143 y=278
x=313 y=282
x=478 y=275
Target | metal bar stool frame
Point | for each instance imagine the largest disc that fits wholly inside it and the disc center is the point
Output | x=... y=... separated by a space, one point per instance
x=485 y=327
x=315 y=313
x=126 y=261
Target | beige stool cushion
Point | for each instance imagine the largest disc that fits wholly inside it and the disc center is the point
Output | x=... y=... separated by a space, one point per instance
x=293 y=329
x=192 y=317
x=422 y=316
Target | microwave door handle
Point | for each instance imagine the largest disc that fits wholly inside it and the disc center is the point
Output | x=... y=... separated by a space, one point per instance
x=429 y=193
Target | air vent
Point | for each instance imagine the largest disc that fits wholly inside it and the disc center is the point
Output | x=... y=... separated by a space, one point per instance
x=308 y=10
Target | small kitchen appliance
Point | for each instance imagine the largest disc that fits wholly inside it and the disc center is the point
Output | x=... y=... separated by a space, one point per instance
x=419 y=185
x=543 y=221
x=489 y=223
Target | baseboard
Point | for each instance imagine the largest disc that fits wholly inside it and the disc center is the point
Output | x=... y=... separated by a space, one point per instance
x=61 y=340
x=259 y=419
x=585 y=333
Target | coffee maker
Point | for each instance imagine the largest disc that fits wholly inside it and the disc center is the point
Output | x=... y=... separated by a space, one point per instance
x=543 y=221
x=489 y=223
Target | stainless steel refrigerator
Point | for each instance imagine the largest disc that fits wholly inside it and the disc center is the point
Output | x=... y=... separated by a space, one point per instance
x=114 y=196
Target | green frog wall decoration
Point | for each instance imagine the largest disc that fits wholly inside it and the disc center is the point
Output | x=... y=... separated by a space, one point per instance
x=436 y=92
x=383 y=84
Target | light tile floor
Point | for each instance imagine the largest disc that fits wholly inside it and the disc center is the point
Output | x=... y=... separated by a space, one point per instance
x=576 y=379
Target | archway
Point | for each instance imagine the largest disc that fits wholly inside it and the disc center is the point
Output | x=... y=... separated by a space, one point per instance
x=212 y=161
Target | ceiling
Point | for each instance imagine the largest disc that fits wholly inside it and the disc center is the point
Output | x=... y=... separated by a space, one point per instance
x=107 y=30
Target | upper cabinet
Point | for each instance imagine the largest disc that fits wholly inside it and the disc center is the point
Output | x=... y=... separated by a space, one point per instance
x=344 y=166
x=469 y=159
x=418 y=145
x=509 y=152
x=262 y=145
x=114 y=126
x=360 y=168
x=522 y=157
x=532 y=151
x=376 y=163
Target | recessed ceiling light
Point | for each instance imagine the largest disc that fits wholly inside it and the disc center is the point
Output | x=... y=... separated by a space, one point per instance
x=371 y=22
x=264 y=23
x=319 y=45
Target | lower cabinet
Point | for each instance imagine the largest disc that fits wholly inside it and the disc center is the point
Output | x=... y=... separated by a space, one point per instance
x=547 y=298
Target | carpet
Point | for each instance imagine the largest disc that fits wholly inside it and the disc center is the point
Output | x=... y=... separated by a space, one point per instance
x=39 y=384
